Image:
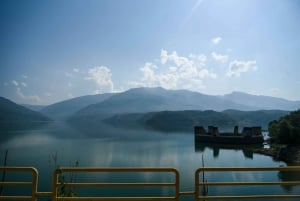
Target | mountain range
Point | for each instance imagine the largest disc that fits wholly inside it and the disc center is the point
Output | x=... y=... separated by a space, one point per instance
x=186 y=120
x=14 y=113
x=64 y=109
x=137 y=102
x=17 y=117
x=143 y=100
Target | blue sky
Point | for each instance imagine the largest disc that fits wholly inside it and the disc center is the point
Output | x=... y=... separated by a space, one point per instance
x=56 y=50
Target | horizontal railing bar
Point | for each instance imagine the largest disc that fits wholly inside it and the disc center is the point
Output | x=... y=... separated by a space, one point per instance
x=115 y=184
x=17 y=183
x=44 y=194
x=248 y=183
x=15 y=197
x=287 y=168
x=25 y=169
x=116 y=198
x=248 y=197
x=116 y=169
x=187 y=193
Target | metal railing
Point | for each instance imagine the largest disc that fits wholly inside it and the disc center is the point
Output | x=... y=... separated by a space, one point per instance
x=200 y=185
x=173 y=183
x=33 y=183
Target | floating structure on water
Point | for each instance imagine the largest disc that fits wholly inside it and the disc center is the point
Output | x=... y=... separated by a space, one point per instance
x=249 y=135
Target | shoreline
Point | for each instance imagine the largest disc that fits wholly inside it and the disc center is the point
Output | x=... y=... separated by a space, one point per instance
x=288 y=154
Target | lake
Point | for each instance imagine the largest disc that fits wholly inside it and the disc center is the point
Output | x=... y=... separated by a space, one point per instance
x=111 y=147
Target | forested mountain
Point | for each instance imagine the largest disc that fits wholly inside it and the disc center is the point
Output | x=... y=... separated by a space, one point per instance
x=143 y=100
x=11 y=112
x=64 y=109
x=186 y=120
x=157 y=108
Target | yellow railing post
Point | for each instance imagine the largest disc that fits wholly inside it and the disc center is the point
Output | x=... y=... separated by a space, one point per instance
x=34 y=184
x=54 y=184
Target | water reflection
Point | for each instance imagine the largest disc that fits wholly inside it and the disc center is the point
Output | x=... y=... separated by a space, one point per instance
x=289 y=176
x=112 y=147
x=246 y=149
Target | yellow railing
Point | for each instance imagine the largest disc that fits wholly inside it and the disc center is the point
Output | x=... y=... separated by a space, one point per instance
x=200 y=184
x=33 y=183
x=172 y=183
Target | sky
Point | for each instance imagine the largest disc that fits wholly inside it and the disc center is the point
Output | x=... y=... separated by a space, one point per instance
x=53 y=50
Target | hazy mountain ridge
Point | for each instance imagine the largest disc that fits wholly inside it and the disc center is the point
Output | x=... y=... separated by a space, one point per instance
x=14 y=113
x=95 y=108
x=144 y=100
x=64 y=109
x=36 y=108
x=158 y=108
x=262 y=102
x=186 y=120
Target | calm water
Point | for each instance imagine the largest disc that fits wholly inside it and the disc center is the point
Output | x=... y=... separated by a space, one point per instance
x=132 y=148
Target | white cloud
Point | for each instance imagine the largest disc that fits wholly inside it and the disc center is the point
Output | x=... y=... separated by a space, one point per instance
x=76 y=70
x=201 y=58
x=151 y=78
x=163 y=56
x=101 y=75
x=219 y=57
x=14 y=82
x=34 y=99
x=205 y=73
x=25 y=76
x=176 y=72
x=237 y=67
x=23 y=84
x=173 y=57
x=216 y=40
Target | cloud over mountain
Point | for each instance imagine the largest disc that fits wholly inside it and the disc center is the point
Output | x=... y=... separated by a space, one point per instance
x=175 y=71
x=237 y=67
x=101 y=75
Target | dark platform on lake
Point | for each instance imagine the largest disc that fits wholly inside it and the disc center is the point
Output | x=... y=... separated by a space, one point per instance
x=249 y=135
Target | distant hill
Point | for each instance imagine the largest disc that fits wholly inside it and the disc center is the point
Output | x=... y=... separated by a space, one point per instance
x=34 y=107
x=64 y=109
x=186 y=120
x=143 y=100
x=261 y=102
x=17 y=117
x=12 y=112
